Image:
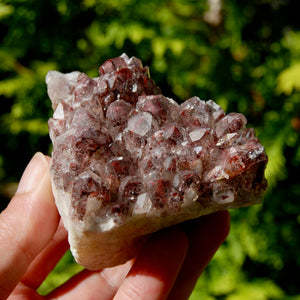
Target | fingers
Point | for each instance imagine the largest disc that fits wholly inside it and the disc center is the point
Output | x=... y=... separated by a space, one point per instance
x=150 y=276
x=27 y=224
x=156 y=267
x=101 y=284
x=205 y=234
x=24 y=292
x=167 y=255
x=43 y=264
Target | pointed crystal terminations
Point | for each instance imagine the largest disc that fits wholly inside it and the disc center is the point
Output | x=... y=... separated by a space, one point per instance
x=128 y=161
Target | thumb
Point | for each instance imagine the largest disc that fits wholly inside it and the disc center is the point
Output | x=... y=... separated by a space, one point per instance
x=27 y=224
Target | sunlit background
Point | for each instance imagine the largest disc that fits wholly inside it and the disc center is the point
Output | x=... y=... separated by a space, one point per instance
x=243 y=54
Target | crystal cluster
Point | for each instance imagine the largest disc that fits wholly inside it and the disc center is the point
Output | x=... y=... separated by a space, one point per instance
x=128 y=161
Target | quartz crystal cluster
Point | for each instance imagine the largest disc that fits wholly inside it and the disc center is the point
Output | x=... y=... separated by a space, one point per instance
x=128 y=161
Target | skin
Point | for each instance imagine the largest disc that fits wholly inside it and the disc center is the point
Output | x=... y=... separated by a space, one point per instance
x=33 y=239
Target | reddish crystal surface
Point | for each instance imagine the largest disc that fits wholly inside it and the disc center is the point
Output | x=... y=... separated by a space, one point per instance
x=116 y=137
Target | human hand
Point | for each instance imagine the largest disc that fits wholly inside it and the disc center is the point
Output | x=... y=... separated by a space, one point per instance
x=33 y=239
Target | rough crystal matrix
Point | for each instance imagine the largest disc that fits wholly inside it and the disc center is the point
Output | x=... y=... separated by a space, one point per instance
x=128 y=161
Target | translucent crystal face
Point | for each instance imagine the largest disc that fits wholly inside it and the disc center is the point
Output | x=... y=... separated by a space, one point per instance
x=121 y=149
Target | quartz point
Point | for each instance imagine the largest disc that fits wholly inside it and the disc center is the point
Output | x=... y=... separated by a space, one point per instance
x=127 y=161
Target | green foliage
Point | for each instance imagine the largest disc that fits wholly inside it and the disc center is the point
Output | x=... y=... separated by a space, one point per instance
x=289 y=79
x=246 y=58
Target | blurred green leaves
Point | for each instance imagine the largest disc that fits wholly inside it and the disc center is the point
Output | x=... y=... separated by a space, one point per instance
x=24 y=115
x=245 y=56
x=289 y=79
x=5 y=10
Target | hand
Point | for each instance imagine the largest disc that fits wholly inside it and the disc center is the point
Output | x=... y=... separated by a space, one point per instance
x=33 y=239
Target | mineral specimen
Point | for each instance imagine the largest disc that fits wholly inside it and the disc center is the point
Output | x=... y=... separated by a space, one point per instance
x=128 y=161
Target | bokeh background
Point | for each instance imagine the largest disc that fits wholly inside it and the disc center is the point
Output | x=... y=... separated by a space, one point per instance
x=243 y=54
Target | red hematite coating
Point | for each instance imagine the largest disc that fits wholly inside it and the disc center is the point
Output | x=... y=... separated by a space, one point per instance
x=122 y=150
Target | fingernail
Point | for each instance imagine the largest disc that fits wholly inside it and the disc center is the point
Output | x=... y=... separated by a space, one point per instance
x=33 y=173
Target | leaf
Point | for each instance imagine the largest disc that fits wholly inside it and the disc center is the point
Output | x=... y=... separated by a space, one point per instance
x=5 y=10
x=289 y=80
